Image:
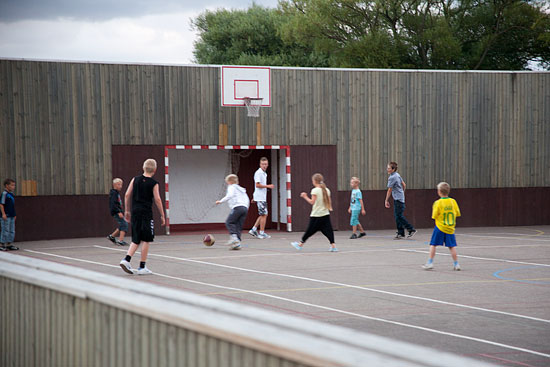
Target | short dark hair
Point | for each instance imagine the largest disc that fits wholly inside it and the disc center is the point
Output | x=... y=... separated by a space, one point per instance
x=8 y=181
x=393 y=165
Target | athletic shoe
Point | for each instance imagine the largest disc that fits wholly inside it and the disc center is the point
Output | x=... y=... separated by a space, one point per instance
x=236 y=246
x=125 y=265
x=121 y=243
x=333 y=249
x=362 y=234
x=111 y=238
x=263 y=236
x=3 y=248
x=353 y=236
x=411 y=233
x=456 y=267
x=232 y=241
x=428 y=266
x=399 y=236
x=12 y=248
x=144 y=271
x=296 y=245
x=253 y=233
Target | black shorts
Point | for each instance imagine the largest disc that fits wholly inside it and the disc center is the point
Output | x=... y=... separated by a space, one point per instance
x=143 y=228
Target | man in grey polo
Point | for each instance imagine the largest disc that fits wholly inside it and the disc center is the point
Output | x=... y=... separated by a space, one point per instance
x=396 y=188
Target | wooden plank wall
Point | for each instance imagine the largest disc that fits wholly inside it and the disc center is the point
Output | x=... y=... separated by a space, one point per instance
x=58 y=121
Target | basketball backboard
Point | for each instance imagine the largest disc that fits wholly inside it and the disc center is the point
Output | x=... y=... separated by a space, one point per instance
x=239 y=82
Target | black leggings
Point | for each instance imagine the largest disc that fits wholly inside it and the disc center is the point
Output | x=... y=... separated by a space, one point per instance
x=319 y=224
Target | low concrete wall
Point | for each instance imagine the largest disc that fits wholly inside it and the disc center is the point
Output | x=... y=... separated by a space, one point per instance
x=57 y=315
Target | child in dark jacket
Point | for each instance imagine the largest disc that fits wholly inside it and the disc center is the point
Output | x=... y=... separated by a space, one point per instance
x=115 y=205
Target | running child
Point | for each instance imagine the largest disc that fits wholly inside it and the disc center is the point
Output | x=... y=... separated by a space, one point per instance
x=238 y=202
x=444 y=211
x=355 y=207
x=319 y=219
x=115 y=206
x=143 y=189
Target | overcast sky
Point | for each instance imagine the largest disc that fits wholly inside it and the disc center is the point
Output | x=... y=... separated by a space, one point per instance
x=105 y=30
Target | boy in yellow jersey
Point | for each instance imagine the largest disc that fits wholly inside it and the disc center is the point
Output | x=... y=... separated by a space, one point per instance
x=445 y=211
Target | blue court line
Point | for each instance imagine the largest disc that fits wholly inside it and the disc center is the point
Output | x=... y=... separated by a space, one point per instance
x=497 y=274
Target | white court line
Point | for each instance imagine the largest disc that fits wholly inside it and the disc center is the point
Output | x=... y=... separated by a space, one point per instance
x=282 y=254
x=323 y=308
x=373 y=249
x=345 y=286
x=501 y=237
x=64 y=247
x=503 y=233
x=477 y=258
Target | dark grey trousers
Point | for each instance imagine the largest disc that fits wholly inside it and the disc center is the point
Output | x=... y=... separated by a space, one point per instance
x=235 y=220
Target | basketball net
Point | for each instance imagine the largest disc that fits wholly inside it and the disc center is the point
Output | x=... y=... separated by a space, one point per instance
x=253 y=106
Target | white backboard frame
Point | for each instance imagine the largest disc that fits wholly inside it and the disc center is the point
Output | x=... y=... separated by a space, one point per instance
x=238 y=82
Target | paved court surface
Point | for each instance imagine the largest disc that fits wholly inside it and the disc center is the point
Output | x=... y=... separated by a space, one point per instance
x=496 y=309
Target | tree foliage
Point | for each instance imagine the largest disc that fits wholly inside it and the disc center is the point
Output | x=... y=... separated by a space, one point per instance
x=250 y=37
x=420 y=34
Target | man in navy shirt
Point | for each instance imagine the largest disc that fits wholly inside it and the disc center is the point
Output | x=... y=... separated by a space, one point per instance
x=7 y=209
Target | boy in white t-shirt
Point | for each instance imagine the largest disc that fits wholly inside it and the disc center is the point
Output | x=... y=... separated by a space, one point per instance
x=238 y=202
x=260 y=197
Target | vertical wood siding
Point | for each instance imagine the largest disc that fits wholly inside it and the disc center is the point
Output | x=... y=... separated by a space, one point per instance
x=58 y=121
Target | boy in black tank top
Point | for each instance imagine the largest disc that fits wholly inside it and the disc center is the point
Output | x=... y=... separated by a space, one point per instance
x=142 y=191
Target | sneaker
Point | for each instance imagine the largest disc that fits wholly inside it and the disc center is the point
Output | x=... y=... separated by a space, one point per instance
x=232 y=241
x=333 y=249
x=144 y=271
x=362 y=234
x=296 y=245
x=428 y=266
x=3 y=248
x=263 y=236
x=412 y=232
x=12 y=248
x=253 y=233
x=111 y=238
x=399 y=236
x=121 y=243
x=353 y=236
x=456 y=267
x=236 y=246
x=125 y=265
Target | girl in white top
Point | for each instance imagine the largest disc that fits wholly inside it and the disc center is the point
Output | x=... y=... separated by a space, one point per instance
x=319 y=219
x=238 y=202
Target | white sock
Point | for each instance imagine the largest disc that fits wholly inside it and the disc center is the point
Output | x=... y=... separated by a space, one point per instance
x=261 y=232
x=254 y=228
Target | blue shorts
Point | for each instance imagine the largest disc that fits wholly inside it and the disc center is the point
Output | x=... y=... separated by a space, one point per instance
x=354 y=220
x=122 y=224
x=439 y=237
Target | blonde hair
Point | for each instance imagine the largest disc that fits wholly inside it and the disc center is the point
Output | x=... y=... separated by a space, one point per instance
x=356 y=179
x=234 y=179
x=150 y=165
x=117 y=180
x=319 y=180
x=444 y=188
